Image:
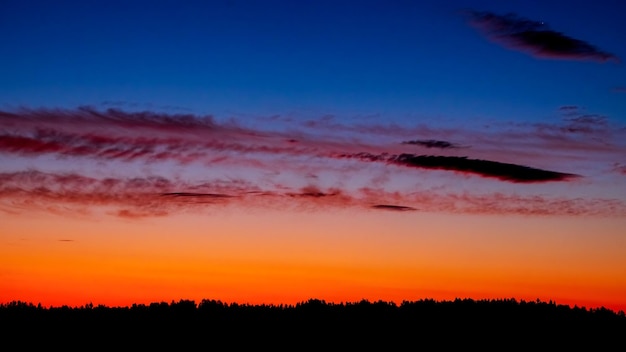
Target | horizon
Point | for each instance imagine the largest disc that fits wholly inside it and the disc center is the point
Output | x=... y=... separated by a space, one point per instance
x=314 y=301
x=273 y=152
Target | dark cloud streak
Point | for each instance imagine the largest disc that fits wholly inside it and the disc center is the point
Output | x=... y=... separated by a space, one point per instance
x=486 y=168
x=432 y=143
x=535 y=37
x=393 y=207
x=191 y=194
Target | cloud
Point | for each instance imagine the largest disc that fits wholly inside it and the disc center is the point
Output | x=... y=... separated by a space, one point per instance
x=589 y=123
x=393 y=207
x=139 y=197
x=136 y=198
x=535 y=38
x=151 y=137
x=578 y=121
x=620 y=169
x=314 y=192
x=139 y=214
x=569 y=108
x=146 y=136
x=152 y=195
x=135 y=105
x=140 y=164
x=485 y=168
x=536 y=205
x=157 y=137
x=432 y=143
x=197 y=195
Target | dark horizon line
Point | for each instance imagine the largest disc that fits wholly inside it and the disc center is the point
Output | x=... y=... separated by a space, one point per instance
x=310 y=301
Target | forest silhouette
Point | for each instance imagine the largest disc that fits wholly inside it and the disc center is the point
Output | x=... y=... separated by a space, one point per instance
x=499 y=324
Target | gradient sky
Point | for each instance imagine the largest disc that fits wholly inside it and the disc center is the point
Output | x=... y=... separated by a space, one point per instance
x=276 y=151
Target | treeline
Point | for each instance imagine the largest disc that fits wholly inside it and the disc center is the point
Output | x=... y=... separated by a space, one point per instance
x=452 y=324
x=211 y=308
x=211 y=305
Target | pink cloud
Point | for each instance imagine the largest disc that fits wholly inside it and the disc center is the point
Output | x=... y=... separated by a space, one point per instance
x=158 y=196
x=102 y=133
x=204 y=163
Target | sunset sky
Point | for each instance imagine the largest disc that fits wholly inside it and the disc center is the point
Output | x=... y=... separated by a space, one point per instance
x=276 y=151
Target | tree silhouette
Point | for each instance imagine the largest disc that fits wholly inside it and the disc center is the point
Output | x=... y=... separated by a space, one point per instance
x=497 y=324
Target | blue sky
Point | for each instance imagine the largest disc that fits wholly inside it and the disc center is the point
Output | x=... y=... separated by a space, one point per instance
x=405 y=61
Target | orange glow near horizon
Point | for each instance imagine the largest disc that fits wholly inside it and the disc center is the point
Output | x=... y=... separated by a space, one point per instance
x=288 y=257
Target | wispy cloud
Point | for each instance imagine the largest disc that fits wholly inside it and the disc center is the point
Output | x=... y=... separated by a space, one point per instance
x=569 y=108
x=535 y=37
x=154 y=137
x=620 y=169
x=136 y=105
x=314 y=192
x=72 y=194
x=154 y=164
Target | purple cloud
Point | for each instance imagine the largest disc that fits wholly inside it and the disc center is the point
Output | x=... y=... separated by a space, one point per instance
x=76 y=160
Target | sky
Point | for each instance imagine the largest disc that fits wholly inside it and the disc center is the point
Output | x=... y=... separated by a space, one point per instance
x=276 y=151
